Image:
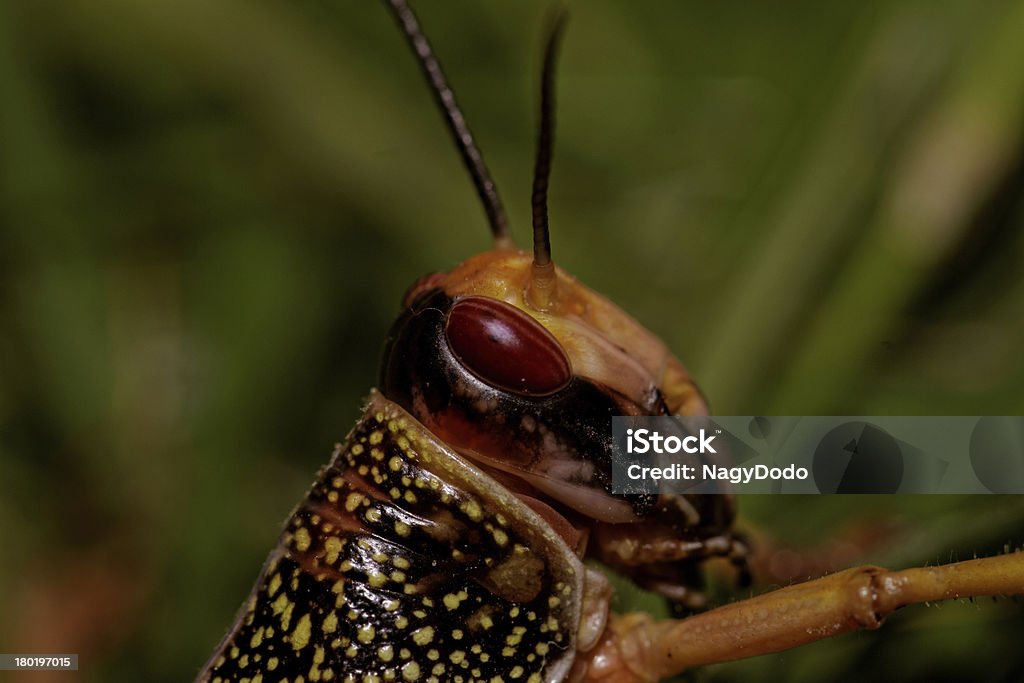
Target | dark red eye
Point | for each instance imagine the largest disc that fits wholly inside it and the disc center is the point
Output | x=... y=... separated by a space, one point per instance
x=505 y=347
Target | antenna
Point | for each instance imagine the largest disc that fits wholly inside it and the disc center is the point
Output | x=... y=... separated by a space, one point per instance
x=540 y=290
x=445 y=99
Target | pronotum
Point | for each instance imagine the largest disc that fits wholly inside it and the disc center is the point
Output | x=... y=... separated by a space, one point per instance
x=444 y=540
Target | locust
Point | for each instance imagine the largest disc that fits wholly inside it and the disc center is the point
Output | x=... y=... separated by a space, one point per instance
x=447 y=539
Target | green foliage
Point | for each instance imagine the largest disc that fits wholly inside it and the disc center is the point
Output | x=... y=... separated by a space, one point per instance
x=210 y=211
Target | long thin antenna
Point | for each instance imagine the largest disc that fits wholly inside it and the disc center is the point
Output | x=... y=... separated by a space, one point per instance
x=445 y=99
x=541 y=287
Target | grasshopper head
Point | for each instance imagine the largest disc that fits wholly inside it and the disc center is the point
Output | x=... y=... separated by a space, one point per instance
x=498 y=323
x=527 y=392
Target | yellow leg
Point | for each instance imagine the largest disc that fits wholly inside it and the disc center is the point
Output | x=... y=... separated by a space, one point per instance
x=638 y=649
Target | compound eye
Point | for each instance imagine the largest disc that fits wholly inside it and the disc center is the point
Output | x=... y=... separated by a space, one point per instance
x=506 y=348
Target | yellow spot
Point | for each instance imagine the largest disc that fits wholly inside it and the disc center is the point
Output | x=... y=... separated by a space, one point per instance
x=516 y=672
x=401 y=562
x=395 y=463
x=352 y=501
x=472 y=510
x=402 y=529
x=302 y=539
x=377 y=579
x=376 y=437
x=457 y=657
x=300 y=636
x=411 y=671
x=271 y=663
x=275 y=583
x=391 y=605
x=243 y=661
x=330 y=623
x=333 y=546
x=452 y=600
x=280 y=604
x=287 y=616
x=366 y=633
x=386 y=653
x=423 y=636
x=357 y=449
x=372 y=515
x=501 y=538
x=257 y=638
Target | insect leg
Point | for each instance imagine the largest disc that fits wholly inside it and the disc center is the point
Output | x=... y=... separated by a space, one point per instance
x=637 y=648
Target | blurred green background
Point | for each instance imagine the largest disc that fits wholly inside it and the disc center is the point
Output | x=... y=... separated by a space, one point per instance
x=209 y=213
